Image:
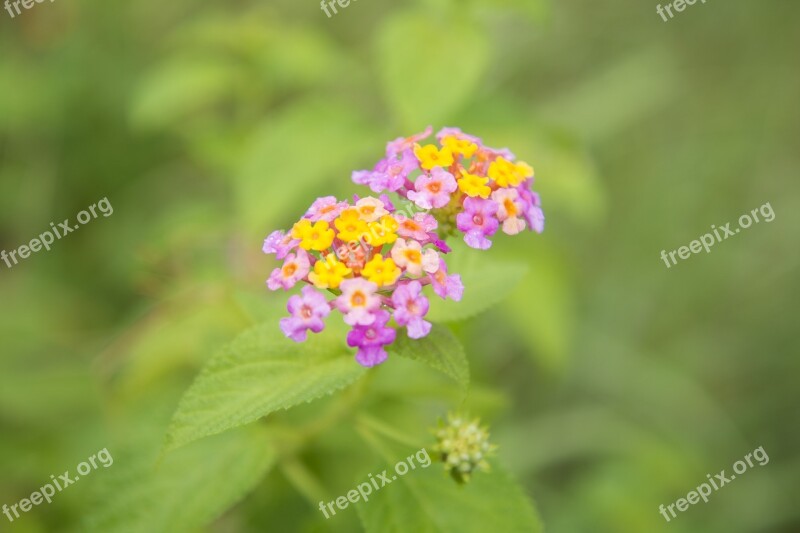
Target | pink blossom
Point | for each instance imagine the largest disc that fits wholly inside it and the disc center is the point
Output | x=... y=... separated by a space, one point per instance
x=433 y=190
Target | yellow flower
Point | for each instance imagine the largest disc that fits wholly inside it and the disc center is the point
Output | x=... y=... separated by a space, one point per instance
x=505 y=173
x=351 y=227
x=460 y=146
x=524 y=169
x=316 y=236
x=381 y=272
x=328 y=274
x=473 y=185
x=383 y=232
x=429 y=156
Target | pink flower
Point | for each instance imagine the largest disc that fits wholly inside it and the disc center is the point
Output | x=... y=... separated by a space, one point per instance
x=371 y=339
x=389 y=173
x=410 y=308
x=433 y=190
x=417 y=228
x=358 y=301
x=308 y=311
x=279 y=243
x=293 y=270
x=410 y=256
x=404 y=143
x=478 y=221
x=326 y=208
x=510 y=207
x=447 y=286
x=458 y=134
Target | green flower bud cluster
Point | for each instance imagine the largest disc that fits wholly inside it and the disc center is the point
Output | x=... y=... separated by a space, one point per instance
x=463 y=447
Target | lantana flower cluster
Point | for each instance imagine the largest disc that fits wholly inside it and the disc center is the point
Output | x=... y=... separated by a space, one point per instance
x=371 y=262
x=468 y=186
x=367 y=261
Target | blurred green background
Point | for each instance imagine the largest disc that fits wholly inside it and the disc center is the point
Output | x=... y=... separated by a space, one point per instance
x=612 y=384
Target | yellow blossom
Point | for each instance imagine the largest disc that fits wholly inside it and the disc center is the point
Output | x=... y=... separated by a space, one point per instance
x=350 y=225
x=429 y=156
x=328 y=274
x=317 y=236
x=473 y=185
x=380 y=271
x=460 y=146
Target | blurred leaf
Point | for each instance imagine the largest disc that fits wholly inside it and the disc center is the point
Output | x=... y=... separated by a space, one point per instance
x=540 y=309
x=182 y=87
x=440 y=349
x=426 y=500
x=261 y=371
x=189 y=489
x=429 y=65
x=312 y=142
x=487 y=281
x=618 y=95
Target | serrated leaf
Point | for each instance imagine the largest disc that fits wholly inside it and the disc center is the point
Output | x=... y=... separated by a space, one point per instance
x=440 y=349
x=487 y=281
x=189 y=489
x=426 y=500
x=258 y=373
x=429 y=67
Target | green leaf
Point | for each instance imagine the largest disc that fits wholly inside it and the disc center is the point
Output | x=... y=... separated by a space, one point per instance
x=426 y=500
x=541 y=309
x=260 y=372
x=429 y=65
x=186 y=491
x=440 y=349
x=487 y=281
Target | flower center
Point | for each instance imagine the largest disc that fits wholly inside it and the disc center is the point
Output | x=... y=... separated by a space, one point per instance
x=511 y=209
x=370 y=333
x=306 y=312
x=478 y=220
x=411 y=305
x=358 y=299
x=434 y=187
x=315 y=236
x=414 y=256
x=289 y=270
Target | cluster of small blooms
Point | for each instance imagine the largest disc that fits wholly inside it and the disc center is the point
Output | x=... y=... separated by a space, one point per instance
x=373 y=260
x=470 y=187
x=463 y=446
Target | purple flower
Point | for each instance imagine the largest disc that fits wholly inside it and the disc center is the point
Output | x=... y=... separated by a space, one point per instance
x=371 y=339
x=433 y=190
x=326 y=208
x=532 y=212
x=279 y=243
x=293 y=270
x=390 y=173
x=308 y=311
x=478 y=221
x=410 y=307
x=447 y=286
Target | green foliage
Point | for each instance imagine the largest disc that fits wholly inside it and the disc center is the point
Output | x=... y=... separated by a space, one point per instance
x=258 y=373
x=187 y=489
x=427 y=500
x=447 y=65
x=439 y=349
x=487 y=282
